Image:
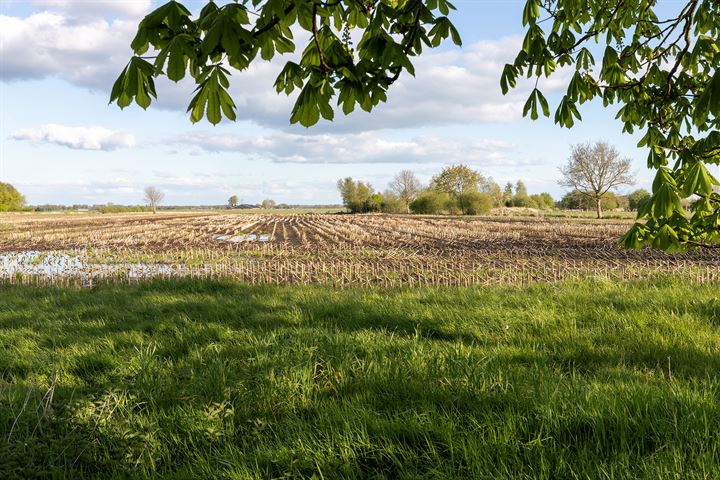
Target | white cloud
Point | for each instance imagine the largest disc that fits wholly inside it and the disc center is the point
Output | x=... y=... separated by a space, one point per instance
x=81 y=138
x=90 y=52
x=367 y=147
x=90 y=8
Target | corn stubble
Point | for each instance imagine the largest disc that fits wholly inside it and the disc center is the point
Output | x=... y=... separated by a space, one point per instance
x=339 y=250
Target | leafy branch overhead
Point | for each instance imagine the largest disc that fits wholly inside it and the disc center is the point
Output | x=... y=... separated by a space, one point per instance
x=663 y=74
x=331 y=68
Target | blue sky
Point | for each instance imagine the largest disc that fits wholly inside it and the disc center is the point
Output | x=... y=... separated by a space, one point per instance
x=60 y=141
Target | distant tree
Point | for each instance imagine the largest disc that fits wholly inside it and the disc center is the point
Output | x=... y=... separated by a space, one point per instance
x=610 y=201
x=10 y=198
x=594 y=170
x=233 y=201
x=374 y=203
x=457 y=179
x=543 y=201
x=406 y=186
x=623 y=203
x=492 y=189
x=474 y=203
x=508 y=194
x=521 y=197
x=392 y=203
x=153 y=197
x=430 y=202
x=576 y=200
x=268 y=204
x=355 y=195
x=638 y=198
x=348 y=192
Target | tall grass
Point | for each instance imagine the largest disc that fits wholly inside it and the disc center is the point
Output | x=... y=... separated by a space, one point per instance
x=214 y=379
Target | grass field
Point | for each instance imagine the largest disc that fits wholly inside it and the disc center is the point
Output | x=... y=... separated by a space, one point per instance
x=215 y=379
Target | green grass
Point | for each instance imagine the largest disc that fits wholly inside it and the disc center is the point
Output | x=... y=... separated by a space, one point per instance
x=203 y=379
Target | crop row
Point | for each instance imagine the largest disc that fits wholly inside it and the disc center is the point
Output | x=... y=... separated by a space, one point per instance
x=330 y=249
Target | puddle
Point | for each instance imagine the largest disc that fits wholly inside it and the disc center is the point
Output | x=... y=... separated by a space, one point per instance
x=57 y=264
x=249 y=237
x=40 y=263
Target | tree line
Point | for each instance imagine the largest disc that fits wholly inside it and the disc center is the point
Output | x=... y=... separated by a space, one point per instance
x=592 y=172
x=457 y=189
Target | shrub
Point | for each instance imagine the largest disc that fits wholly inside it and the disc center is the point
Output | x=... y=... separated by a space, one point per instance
x=543 y=201
x=392 y=203
x=577 y=201
x=474 y=203
x=638 y=198
x=122 y=209
x=373 y=203
x=430 y=202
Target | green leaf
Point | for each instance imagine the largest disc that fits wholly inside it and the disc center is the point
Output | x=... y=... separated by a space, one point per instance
x=543 y=103
x=664 y=202
x=135 y=81
x=667 y=239
x=212 y=97
x=634 y=238
x=531 y=12
x=508 y=78
x=709 y=101
x=306 y=111
x=698 y=180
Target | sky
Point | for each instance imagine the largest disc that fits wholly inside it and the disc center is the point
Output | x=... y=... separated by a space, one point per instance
x=61 y=142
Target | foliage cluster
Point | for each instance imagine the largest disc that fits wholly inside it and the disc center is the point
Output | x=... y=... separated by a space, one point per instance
x=663 y=72
x=231 y=36
x=10 y=199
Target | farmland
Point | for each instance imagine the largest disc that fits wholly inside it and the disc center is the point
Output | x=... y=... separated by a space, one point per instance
x=426 y=364
x=329 y=249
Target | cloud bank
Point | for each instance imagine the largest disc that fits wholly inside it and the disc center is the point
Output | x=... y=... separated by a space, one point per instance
x=455 y=86
x=366 y=147
x=79 y=138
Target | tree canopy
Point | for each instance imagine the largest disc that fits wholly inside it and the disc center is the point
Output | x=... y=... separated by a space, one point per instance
x=153 y=197
x=358 y=197
x=457 y=179
x=662 y=73
x=594 y=170
x=10 y=198
x=231 y=36
x=406 y=186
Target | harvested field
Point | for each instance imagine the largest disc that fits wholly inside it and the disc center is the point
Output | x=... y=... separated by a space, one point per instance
x=328 y=249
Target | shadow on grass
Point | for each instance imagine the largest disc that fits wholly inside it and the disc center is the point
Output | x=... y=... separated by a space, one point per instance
x=165 y=378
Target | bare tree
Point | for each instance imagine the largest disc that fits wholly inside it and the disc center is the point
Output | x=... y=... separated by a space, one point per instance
x=153 y=197
x=593 y=170
x=406 y=186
